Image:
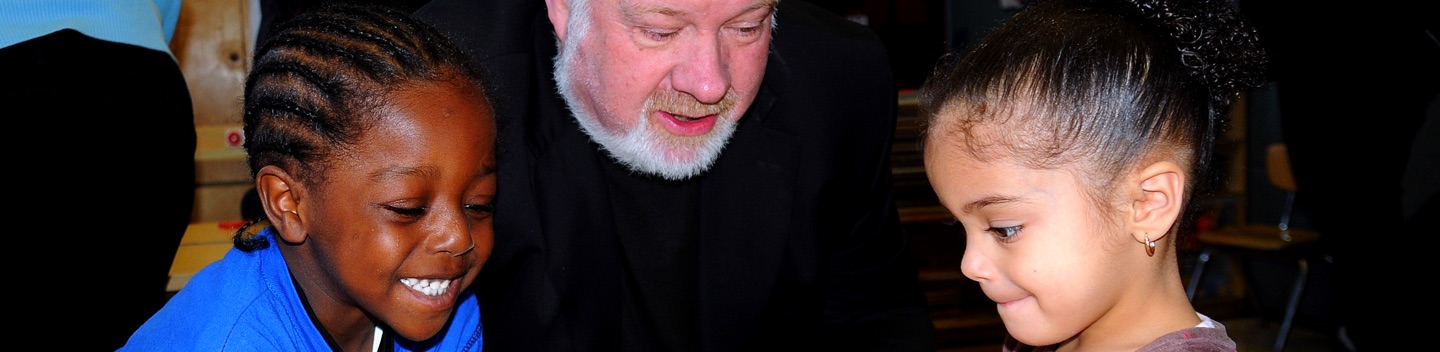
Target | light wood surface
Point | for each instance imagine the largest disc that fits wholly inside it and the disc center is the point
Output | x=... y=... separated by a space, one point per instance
x=212 y=44
x=204 y=243
x=1258 y=237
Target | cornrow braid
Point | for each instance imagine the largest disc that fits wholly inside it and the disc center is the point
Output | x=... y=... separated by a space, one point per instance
x=316 y=81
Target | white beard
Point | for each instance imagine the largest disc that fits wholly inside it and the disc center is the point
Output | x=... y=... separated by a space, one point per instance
x=645 y=148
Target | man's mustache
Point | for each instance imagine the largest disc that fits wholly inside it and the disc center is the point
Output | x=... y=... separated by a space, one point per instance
x=685 y=105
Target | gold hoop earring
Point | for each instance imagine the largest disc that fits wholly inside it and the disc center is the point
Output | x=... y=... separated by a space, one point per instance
x=1149 y=246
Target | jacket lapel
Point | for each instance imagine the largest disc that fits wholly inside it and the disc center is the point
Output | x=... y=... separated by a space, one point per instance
x=578 y=228
x=748 y=198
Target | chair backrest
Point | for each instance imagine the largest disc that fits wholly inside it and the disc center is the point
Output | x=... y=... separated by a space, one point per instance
x=1277 y=166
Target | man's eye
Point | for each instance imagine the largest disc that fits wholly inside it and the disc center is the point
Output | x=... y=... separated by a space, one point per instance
x=749 y=30
x=1005 y=234
x=659 y=35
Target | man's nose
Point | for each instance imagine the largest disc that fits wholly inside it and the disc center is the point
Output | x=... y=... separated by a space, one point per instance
x=703 y=73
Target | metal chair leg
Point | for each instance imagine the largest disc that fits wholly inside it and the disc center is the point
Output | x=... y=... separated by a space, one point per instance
x=1292 y=305
x=1200 y=262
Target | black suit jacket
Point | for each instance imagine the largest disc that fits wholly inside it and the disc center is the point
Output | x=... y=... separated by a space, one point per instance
x=800 y=240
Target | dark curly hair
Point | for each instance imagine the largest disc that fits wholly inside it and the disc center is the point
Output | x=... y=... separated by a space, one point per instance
x=1105 y=82
x=316 y=81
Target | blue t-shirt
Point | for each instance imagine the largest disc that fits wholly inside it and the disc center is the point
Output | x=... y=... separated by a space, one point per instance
x=246 y=301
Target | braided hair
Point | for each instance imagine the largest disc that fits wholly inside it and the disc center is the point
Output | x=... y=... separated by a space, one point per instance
x=1100 y=81
x=316 y=83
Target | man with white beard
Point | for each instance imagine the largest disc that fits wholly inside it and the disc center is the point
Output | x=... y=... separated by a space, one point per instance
x=689 y=175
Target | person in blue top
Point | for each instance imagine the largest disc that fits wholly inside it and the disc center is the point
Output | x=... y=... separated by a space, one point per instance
x=109 y=155
x=372 y=146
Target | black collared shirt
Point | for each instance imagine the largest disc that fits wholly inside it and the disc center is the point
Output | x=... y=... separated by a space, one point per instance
x=656 y=222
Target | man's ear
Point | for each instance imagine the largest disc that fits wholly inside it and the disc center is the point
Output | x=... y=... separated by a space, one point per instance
x=281 y=196
x=559 y=11
x=1159 y=201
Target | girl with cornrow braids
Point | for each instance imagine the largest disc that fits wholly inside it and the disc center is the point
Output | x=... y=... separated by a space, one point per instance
x=1069 y=144
x=372 y=146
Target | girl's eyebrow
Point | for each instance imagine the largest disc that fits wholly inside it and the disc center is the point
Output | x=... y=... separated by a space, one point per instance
x=987 y=201
x=422 y=171
x=486 y=171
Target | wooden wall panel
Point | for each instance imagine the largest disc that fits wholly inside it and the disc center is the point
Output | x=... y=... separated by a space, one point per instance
x=221 y=174
x=212 y=44
x=218 y=202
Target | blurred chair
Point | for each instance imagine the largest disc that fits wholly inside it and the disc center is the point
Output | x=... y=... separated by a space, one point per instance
x=1279 y=240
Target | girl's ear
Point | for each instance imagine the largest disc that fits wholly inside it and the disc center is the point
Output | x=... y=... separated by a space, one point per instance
x=281 y=196
x=1158 y=204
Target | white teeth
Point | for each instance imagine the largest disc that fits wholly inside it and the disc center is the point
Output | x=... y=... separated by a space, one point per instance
x=430 y=287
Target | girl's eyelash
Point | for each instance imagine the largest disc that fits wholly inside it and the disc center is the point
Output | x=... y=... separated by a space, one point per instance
x=407 y=211
x=1005 y=234
x=486 y=208
x=419 y=211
